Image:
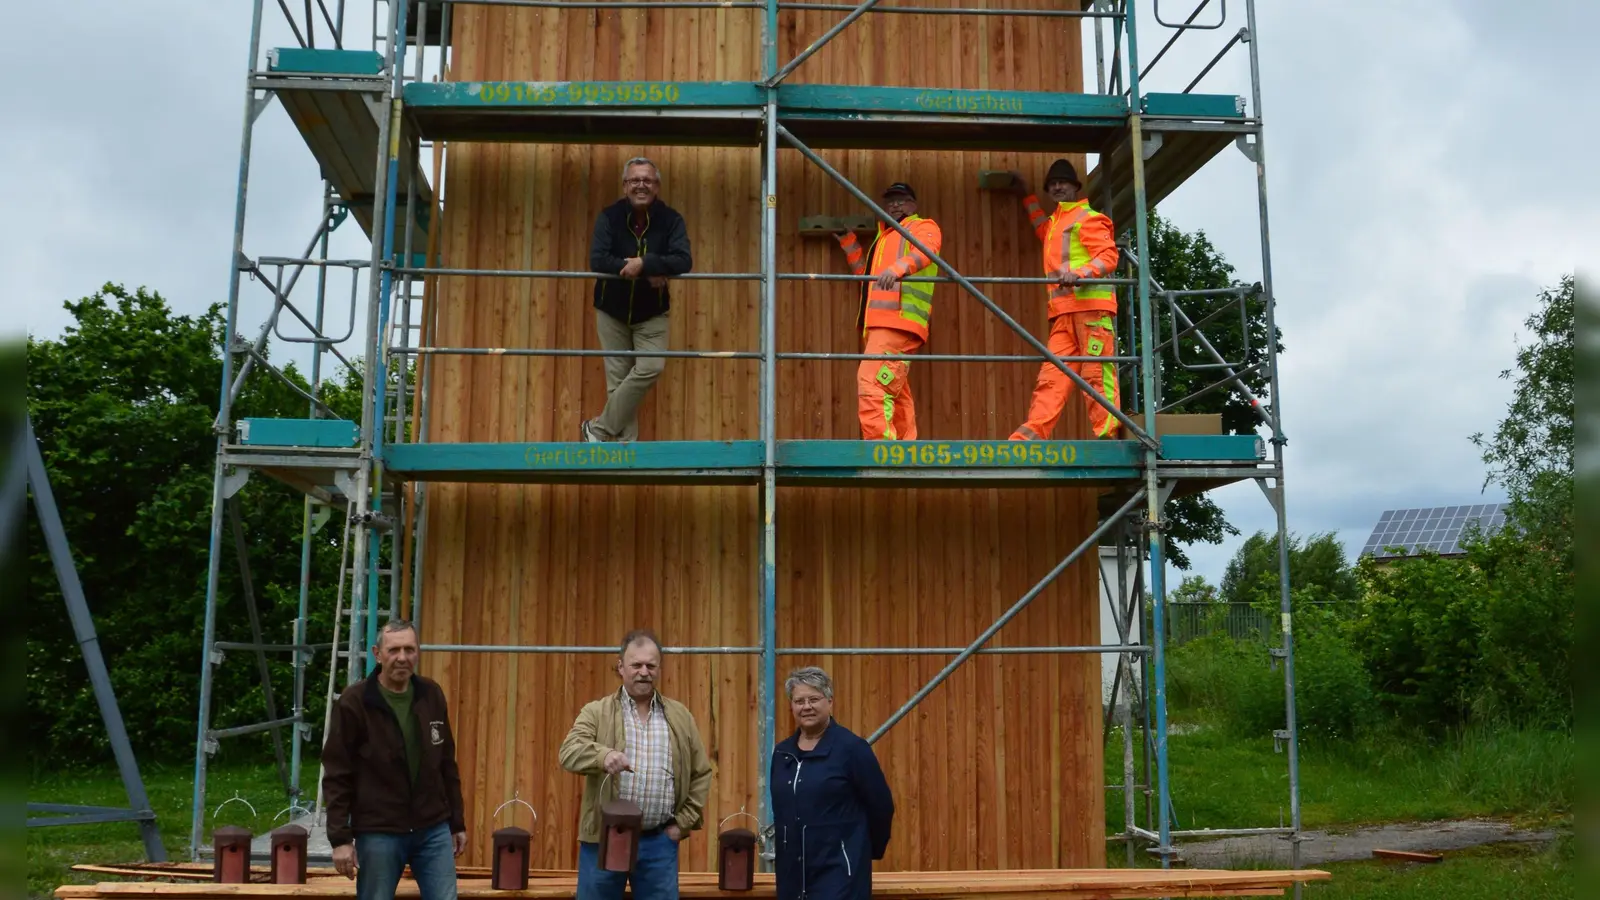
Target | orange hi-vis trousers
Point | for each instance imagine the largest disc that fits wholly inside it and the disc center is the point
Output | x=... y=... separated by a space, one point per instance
x=883 y=387
x=1090 y=333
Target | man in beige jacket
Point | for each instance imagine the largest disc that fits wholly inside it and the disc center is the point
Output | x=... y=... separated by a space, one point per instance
x=650 y=748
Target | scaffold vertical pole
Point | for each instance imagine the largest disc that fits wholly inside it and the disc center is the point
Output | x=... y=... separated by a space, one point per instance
x=374 y=398
x=768 y=689
x=1157 y=690
x=1285 y=607
x=218 y=489
x=1123 y=609
x=404 y=528
x=302 y=657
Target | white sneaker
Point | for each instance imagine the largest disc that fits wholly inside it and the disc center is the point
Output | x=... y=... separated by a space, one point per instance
x=587 y=429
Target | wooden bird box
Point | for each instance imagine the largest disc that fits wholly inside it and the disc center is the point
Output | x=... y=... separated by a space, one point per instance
x=620 y=824
x=736 y=859
x=230 y=861
x=511 y=854
x=289 y=855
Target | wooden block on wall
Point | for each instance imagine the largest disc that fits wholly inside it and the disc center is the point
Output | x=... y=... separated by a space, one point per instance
x=994 y=180
x=826 y=226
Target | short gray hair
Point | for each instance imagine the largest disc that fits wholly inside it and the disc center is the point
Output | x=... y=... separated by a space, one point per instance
x=638 y=636
x=810 y=676
x=641 y=161
x=395 y=626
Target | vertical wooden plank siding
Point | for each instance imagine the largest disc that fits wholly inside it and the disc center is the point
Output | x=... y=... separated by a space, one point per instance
x=1001 y=766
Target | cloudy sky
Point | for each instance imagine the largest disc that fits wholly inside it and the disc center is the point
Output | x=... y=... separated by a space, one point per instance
x=1430 y=166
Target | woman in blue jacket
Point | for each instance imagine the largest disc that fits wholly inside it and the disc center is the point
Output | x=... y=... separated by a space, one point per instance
x=831 y=805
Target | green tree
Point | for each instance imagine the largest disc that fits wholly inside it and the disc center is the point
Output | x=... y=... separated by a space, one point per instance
x=1490 y=638
x=1182 y=260
x=1195 y=589
x=1526 y=628
x=123 y=405
x=1319 y=572
x=1535 y=439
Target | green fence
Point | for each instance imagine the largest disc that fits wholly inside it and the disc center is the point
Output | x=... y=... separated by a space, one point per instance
x=1187 y=620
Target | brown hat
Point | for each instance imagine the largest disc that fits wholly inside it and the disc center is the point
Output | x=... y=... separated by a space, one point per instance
x=1063 y=170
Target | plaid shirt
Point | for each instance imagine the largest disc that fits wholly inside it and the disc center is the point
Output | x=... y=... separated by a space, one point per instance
x=649 y=748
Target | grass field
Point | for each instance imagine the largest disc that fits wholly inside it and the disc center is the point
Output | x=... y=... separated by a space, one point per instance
x=1482 y=873
x=1225 y=781
x=53 y=851
x=1219 y=781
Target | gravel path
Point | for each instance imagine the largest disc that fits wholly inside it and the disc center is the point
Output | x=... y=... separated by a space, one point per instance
x=1319 y=847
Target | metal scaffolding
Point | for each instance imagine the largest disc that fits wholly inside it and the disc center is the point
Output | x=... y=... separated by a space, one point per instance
x=406 y=113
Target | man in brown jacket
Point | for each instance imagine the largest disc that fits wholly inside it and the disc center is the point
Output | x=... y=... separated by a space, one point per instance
x=643 y=747
x=389 y=774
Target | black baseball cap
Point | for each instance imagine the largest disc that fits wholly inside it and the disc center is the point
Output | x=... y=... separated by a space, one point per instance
x=899 y=187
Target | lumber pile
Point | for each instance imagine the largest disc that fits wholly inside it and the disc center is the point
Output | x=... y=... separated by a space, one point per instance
x=1009 y=884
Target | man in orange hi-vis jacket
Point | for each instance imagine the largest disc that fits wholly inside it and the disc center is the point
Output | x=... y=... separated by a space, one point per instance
x=1078 y=244
x=894 y=314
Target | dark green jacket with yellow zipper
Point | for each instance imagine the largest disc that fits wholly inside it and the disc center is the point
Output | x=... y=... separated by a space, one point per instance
x=663 y=245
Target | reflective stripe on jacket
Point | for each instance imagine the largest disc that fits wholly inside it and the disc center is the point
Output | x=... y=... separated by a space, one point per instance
x=1082 y=238
x=909 y=306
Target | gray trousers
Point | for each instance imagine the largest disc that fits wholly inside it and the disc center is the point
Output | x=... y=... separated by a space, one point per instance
x=628 y=378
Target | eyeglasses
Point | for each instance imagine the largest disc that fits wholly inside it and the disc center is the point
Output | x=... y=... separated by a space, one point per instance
x=630 y=182
x=808 y=702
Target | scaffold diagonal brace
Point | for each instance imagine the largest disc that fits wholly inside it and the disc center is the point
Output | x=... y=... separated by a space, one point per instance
x=820 y=42
x=1093 y=540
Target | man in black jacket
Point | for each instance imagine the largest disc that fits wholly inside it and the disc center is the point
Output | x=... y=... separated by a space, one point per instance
x=644 y=241
x=390 y=777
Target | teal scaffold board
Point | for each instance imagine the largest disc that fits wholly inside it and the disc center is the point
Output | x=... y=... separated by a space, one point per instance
x=1098 y=460
x=298 y=432
x=584 y=94
x=1194 y=106
x=1218 y=448
x=1065 y=459
x=442 y=459
x=869 y=100
x=800 y=99
x=301 y=60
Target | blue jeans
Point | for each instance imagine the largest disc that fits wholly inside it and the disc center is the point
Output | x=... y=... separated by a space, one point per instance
x=380 y=858
x=654 y=875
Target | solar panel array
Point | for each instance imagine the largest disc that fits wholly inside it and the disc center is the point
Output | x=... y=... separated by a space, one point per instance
x=1439 y=530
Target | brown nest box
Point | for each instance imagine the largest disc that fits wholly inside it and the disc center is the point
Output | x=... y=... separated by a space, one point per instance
x=230 y=861
x=512 y=846
x=289 y=855
x=736 y=860
x=621 y=821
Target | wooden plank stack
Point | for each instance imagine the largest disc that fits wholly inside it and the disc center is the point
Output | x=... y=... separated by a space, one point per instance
x=1035 y=884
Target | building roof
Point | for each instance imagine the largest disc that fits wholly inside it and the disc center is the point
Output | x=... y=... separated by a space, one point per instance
x=1439 y=530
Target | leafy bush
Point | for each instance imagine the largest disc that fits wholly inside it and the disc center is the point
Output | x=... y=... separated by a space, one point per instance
x=1333 y=695
x=1209 y=673
x=1234 y=681
x=1415 y=630
x=1526 y=627
x=1486 y=639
